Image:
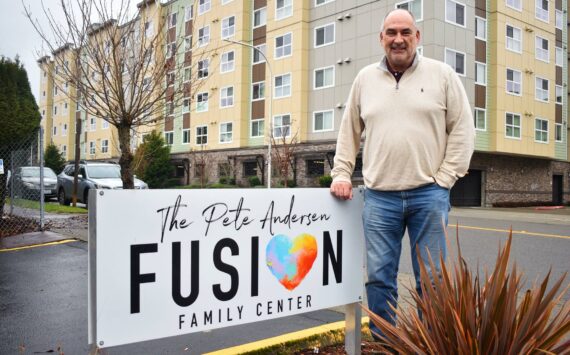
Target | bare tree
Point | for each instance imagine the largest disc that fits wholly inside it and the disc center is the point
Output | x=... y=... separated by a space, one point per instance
x=284 y=148
x=201 y=165
x=122 y=66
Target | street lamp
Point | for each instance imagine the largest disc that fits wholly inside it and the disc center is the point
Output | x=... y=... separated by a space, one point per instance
x=270 y=105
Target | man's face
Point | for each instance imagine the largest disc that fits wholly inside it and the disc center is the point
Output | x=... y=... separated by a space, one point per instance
x=399 y=39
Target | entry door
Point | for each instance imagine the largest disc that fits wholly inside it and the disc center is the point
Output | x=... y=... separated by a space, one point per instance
x=557 y=197
x=467 y=190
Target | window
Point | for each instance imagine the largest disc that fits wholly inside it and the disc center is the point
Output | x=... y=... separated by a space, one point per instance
x=188 y=13
x=514 y=39
x=283 y=8
x=203 y=6
x=203 y=68
x=257 y=128
x=187 y=74
x=515 y=4
x=54 y=133
x=186 y=105
x=169 y=107
x=324 y=35
x=541 y=49
x=283 y=46
x=92 y=148
x=281 y=126
x=64 y=150
x=148 y=29
x=228 y=26
x=559 y=19
x=260 y=17
x=480 y=73
x=479 y=118
x=186 y=136
x=170 y=49
x=170 y=78
x=227 y=97
x=226 y=132
x=169 y=138
x=257 y=56
x=65 y=108
x=559 y=57
x=481 y=28
x=258 y=91
x=146 y=84
x=514 y=82
x=512 y=125
x=541 y=130
x=226 y=1
x=322 y=2
x=456 y=60
x=324 y=78
x=187 y=43
x=323 y=121
x=93 y=124
x=249 y=168
x=203 y=36
x=105 y=146
x=282 y=86
x=227 y=62
x=202 y=102
x=315 y=167
x=55 y=90
x=455 y=13
x=558 y=132
x=201 y=135
x=172 y=20
x=64 y=130
x=541 y=12
x=541 y=92
x=104 y=124
x=558 y=92
x=55 y=110
x=413 y=6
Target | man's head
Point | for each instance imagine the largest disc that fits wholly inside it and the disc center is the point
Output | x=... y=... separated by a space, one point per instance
x=399 y=37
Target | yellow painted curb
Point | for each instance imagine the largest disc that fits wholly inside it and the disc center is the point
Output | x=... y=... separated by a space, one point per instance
x=39 y=245
x=514 y=231
x=301 y=334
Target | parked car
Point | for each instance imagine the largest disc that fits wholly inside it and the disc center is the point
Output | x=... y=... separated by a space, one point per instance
x=26 y=183
x=91 y=176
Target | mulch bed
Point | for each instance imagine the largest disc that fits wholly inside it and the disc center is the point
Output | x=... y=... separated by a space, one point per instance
x=368 y=348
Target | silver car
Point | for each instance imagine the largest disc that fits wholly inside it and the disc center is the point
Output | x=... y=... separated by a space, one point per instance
x=91 y=176
x=26 y=183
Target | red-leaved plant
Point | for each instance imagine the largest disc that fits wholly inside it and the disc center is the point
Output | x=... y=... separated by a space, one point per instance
x=462 y=314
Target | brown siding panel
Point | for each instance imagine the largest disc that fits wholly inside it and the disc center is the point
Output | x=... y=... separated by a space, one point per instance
x=171 y=35
x=558 y=5
x=258 y=109
x=558 y=116
x=186 y=120
x=480 y=51
x=258 y=72
x=168 y=124
x=259 y=35
x=480 y=4
x=480 y=12
x=480 y=93
x=559 y=37
x=188 y=28
x=558 y=75
x=257 y=4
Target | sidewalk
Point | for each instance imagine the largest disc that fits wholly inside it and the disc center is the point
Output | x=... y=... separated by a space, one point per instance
x=523 y=214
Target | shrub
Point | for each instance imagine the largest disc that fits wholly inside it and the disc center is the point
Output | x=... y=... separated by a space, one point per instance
x=465 y=314
x=151 y=162
x=223 y=180
x=325 y=181
x=254 y=181
x=53 y=159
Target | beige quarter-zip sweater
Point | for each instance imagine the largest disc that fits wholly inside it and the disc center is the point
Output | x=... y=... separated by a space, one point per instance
x=417 y=131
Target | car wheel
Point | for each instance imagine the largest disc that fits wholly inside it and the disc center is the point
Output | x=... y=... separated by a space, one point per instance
x=61 y=198
x=86 y=198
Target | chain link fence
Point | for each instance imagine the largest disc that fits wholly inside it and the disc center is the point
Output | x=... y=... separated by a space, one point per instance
x=24 y=186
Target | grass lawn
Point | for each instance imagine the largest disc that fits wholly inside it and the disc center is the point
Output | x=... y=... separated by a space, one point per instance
x=51 y=207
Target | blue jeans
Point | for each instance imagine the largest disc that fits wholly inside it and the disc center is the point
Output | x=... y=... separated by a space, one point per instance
x=386 y=215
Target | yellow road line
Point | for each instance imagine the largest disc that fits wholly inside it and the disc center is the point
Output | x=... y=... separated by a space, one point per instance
x=514 y=231
x=301 y=334
x=39 y=245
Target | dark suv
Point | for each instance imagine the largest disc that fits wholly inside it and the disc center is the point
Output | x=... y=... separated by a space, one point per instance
x=91 y=176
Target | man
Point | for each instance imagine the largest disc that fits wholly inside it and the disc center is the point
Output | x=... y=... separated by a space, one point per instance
x=419 y=140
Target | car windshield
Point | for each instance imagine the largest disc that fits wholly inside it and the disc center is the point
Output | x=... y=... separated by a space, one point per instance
x=104 y=172
x=35 y=172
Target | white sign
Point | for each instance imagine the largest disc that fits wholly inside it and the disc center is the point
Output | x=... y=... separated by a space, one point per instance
x=171 y=262
x=1 y=166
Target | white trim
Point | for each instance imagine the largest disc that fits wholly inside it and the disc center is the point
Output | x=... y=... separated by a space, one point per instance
x=547 y=12
x=222 y=62
x=536 y=37
x=263 y=97
x=322 y=130
x=220 y=132
x=520 y=126
x=485 y=76
x=464 y=14
x=253 y=17
x=273 y=124
x=507 y=37
x=198 y=102
x=506 y=79
x=512 y=7
x=206 y=11
x=182 y=136
x=464 y=60
x=221 y=97
x=324 y=3
x=251 y=127
x=315 y=77
x=275 y=46
x=556 y=12
x=201 y=135
x=222 y=27
x=536 y=77
x=556 y=125
x=484 y=26
x=418 y=18
x=484 y=129
x=275 y=86
x=284 y=17
x=315 y=45
x=556 y=96
x=166 y=140
x=547 y=130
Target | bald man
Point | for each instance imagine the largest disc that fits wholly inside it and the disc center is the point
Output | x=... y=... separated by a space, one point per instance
x=419 y=133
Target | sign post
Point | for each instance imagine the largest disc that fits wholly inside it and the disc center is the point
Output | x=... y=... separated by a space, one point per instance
x=172 y=262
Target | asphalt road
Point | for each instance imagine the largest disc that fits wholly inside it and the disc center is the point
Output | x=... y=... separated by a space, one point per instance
x=43 y=291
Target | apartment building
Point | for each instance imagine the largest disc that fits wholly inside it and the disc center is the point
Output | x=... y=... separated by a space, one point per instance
x=511 y=56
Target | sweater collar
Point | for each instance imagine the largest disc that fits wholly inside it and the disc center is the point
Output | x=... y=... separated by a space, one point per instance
x=383 y=65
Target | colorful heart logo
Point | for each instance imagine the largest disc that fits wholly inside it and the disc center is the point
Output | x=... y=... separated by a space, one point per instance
x=290 y=260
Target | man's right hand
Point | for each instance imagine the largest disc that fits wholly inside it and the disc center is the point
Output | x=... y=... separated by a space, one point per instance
x=342 y=190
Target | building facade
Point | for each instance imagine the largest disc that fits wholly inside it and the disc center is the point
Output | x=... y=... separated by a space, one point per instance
x=511 y=56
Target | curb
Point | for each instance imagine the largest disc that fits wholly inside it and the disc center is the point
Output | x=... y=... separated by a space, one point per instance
x=280 y=339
